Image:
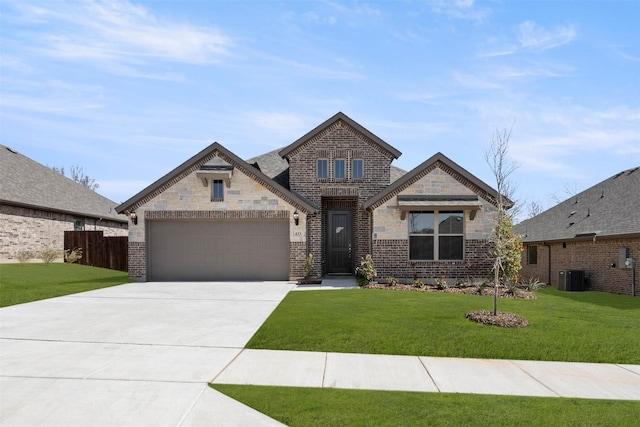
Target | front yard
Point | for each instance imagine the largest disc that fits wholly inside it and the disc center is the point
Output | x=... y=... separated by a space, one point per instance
x=563 y=326
x=20 y=283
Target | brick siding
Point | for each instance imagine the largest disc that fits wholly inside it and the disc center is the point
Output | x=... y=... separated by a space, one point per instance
x=595 y=258
x=33 y=230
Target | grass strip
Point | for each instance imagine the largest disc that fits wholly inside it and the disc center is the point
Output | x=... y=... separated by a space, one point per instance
x=335 y=407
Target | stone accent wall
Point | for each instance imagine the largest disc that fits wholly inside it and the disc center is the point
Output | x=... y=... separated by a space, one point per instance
x=33 y=230
x=596 y=258
x=391 y=258
x=189 y=199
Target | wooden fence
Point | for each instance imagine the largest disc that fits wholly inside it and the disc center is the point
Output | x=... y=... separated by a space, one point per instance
x=97 y=250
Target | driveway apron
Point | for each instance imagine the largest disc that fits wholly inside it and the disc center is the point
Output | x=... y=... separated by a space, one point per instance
x=137 y=354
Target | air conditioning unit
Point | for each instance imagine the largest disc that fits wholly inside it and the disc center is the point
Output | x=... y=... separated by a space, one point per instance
x=571 y=280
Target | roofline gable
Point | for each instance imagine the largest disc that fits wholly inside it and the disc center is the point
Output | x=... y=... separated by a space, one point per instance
x=481 y=188
x=286 y=151
x=192 y=164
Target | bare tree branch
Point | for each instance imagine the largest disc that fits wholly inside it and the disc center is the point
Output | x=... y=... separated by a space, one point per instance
x=77 y=174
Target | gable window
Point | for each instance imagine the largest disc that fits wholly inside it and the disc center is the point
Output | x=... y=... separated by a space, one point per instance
x=339 y=169
x=217 y=190
x=436 y=236
x=532 y=255
x=322 y=169
x=357 y=169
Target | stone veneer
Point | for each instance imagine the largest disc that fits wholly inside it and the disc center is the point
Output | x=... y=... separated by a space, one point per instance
x=391 y=234
x=596 y=258
x=188 y=198
x=33 y=230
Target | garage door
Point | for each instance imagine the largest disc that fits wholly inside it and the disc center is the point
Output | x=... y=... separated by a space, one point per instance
x=218 y=250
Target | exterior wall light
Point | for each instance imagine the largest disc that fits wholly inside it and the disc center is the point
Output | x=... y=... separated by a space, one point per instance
x=296 y=217
x=134 y=218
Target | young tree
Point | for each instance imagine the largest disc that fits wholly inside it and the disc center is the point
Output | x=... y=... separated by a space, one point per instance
x=507 y=248
x=77 y=174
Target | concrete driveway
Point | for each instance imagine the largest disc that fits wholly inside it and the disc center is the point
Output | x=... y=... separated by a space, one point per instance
x=137 y=354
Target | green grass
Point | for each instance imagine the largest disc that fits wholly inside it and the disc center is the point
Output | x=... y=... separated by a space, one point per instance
x=563 y=326
x=335 y=407
x=20 y=283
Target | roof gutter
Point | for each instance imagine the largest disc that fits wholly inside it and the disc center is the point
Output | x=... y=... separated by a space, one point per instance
x=65 y=212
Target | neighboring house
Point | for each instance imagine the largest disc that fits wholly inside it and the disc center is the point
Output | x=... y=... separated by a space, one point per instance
x=588 y=232
x=37 y=205
x=332 y=193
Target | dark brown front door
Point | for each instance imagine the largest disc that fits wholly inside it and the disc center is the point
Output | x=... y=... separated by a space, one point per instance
x=339 y=242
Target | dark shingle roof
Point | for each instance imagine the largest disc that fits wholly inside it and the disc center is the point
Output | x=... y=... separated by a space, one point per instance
x=25 y=182
x=190 y=165
x=610 y=208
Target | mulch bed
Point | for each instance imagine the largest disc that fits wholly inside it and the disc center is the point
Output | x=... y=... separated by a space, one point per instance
x=504 y=320
x=469 y=290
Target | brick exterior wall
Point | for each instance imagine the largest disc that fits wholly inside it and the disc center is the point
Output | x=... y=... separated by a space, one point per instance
x=391 y=258
x=33 y=230
x=596 y=258
x=339 y=141
x=187 y=198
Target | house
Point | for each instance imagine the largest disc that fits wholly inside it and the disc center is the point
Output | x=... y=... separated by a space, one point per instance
x=332 y=193
x=37 y=205
x=592 y=233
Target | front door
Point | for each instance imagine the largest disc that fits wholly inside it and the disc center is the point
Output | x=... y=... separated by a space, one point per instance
x=339 y=242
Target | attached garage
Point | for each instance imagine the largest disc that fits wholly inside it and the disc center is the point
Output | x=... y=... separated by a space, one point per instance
x=218 y=250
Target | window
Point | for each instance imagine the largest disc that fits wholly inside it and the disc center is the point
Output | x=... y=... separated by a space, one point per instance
x=532 y=255
x=78 y=225
x=436 y=236
x=356 y=169
x=339 y=170
x=217 y=190
x=322 y=169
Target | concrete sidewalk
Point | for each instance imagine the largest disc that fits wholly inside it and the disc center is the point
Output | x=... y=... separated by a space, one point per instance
x=433 y=374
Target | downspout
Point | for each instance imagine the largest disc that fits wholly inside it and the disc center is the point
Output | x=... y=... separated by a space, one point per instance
x=549 y=263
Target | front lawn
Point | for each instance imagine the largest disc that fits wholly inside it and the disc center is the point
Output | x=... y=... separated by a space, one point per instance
x=335 y=407
x=20 y=283
x=563 y=326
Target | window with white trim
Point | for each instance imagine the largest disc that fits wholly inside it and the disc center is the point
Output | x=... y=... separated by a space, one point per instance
x=436 y=236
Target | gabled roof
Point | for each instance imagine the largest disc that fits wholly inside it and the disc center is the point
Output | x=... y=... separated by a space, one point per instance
x=610 y=208
x=200 y=159
x=27 y=183
x=277 y=168
x=437 y=160
x=285 y=152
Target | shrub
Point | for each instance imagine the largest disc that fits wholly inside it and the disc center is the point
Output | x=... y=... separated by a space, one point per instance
x=23 y=256
x=533 y=284
x=308 y=266
x=441 y=283
x=511 y=287
x=480 y=286
x=417 y=283
x=366 y=272
x=74 y=255
x=48 y=255
x=392 y=281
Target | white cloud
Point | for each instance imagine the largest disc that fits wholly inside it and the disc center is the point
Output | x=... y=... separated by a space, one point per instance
x=118 y=32
x=533 y=36
x=460 y=9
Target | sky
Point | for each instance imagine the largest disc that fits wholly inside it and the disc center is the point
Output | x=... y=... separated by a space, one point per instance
x=128 y=90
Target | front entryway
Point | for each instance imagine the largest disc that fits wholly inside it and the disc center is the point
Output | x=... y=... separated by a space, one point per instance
x=339 y=242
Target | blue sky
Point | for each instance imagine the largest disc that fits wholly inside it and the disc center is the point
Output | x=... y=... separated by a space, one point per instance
x=130 y=89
